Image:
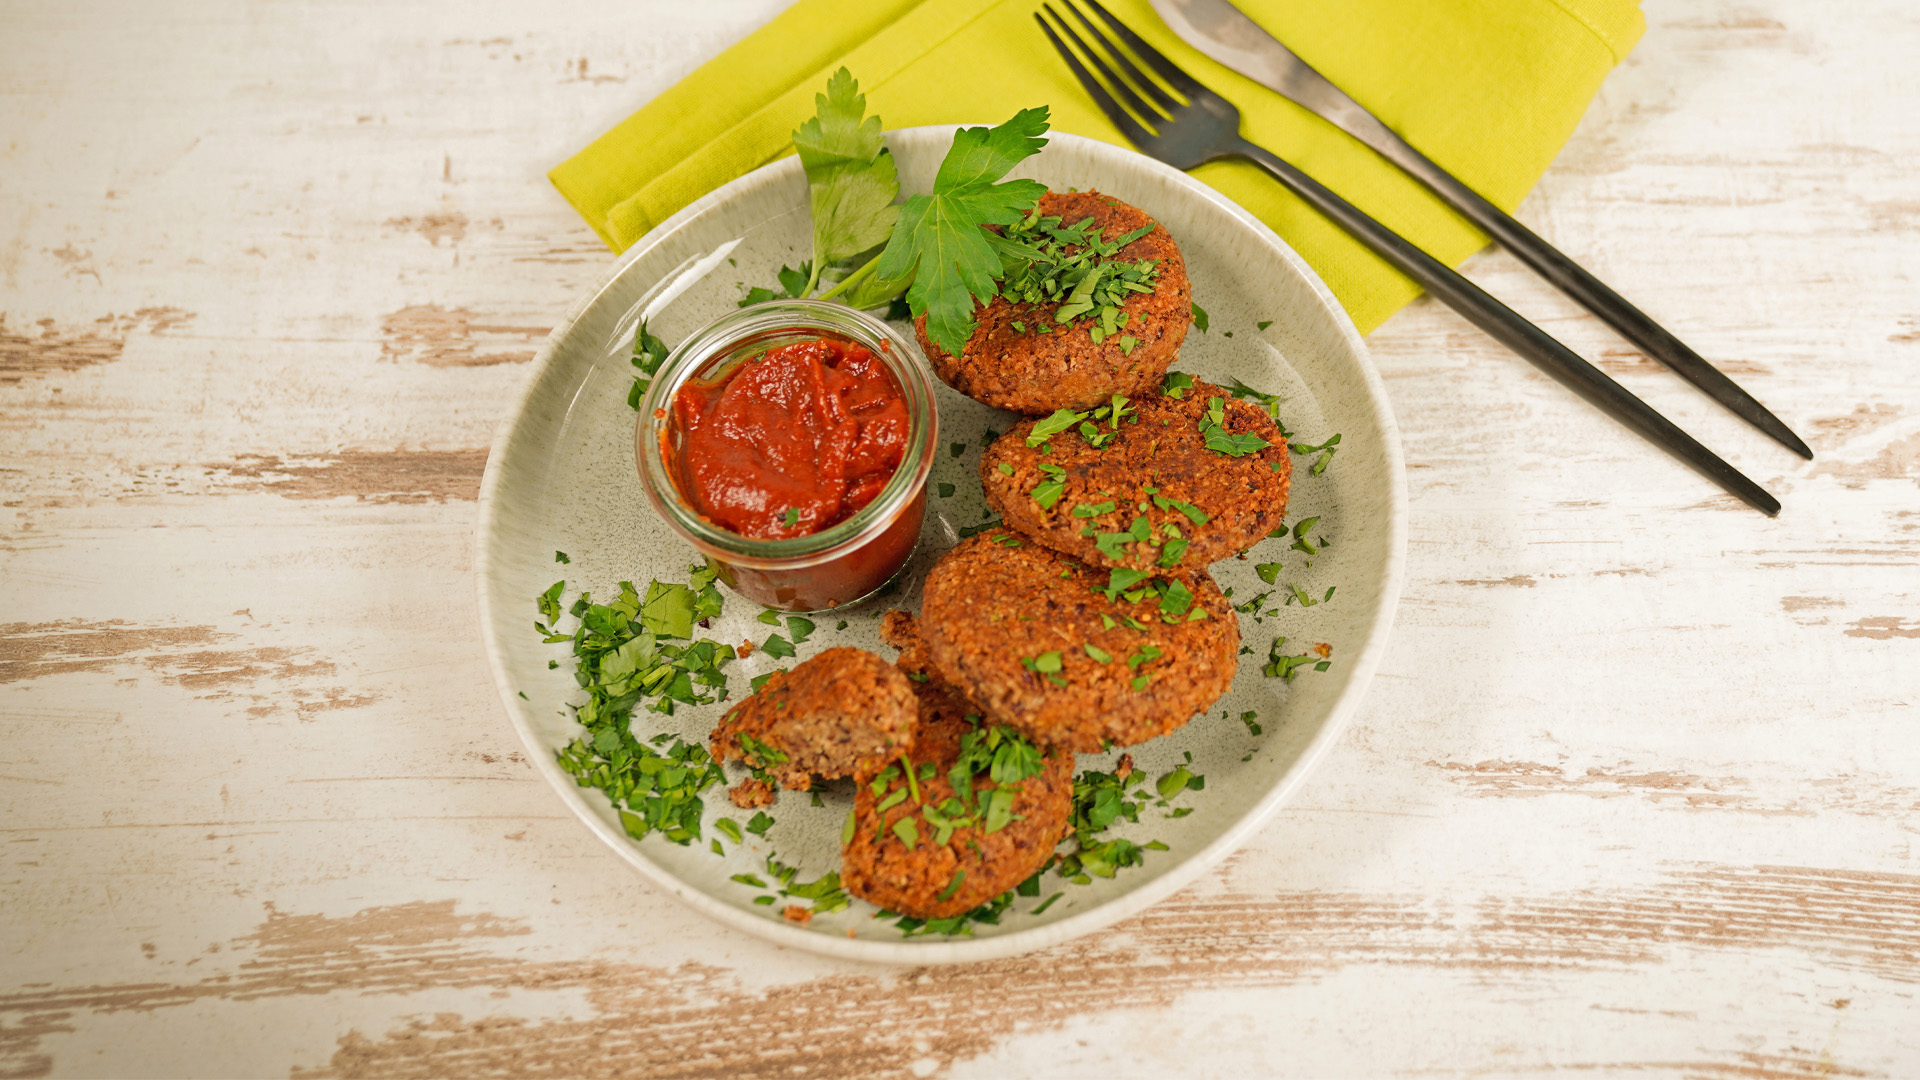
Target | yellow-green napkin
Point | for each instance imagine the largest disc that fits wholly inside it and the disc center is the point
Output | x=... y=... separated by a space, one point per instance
x=1490 y=89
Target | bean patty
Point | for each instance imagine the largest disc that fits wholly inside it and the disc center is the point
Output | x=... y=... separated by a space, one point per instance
x=1023 y=370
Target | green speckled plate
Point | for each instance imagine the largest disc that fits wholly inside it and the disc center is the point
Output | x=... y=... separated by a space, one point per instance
x=561 y=476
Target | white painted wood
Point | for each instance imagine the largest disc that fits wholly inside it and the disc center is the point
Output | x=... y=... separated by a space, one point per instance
x=1636 y=791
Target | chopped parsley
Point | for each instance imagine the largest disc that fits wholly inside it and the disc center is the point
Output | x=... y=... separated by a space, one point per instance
x=1100 y=800
x=649 y=353
x=1113 y=545
x=1077 y=272
x=1047 y=492
x=1193 y=513
x=793 y=286
x=1171 y=551
x=1061 y=420
x=1300 y=541
x=622 y=658
x=1325 y=450
x=1176 y=599
x=1122 y=579
x=1220 y=440
x=1282 y=666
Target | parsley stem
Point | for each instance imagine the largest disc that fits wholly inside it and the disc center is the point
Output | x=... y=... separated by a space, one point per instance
x=906 y=765
x=865 y=271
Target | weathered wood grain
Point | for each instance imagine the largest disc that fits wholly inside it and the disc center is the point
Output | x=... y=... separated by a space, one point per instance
x=1635 y=793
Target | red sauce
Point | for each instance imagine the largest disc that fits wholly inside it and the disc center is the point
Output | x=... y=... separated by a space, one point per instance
x=791 y=442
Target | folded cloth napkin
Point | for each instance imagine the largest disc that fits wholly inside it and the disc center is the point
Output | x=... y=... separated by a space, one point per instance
x=1490 y=89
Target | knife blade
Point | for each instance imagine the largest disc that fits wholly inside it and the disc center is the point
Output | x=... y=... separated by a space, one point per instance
x=1225 y=34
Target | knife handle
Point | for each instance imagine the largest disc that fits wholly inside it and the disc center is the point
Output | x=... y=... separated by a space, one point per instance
x=1585 y=289
x=1510 y=329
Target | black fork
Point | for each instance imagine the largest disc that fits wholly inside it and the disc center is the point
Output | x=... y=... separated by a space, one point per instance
x=1186 y=125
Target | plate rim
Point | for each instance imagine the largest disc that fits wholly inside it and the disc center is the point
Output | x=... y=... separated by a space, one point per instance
x=1135 y=900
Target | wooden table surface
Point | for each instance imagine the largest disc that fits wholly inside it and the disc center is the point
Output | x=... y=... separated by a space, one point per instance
x=1636 y=791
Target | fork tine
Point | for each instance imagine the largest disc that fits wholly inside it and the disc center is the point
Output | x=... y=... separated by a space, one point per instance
x=1137 y=78
x=1176 y=78
x=1133 y=129
x=1097 y=60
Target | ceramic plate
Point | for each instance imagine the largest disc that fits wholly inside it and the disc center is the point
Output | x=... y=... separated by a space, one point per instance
x=561 y=477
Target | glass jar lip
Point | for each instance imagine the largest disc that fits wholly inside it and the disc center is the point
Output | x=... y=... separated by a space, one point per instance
x=764 y=324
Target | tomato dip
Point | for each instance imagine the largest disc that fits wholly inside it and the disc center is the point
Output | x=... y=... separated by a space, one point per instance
x=791 y=442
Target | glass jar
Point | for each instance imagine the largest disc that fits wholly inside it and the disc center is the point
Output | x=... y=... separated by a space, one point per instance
x=844 y=562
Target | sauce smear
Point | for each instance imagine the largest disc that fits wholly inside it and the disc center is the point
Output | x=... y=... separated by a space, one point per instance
x=791 y=442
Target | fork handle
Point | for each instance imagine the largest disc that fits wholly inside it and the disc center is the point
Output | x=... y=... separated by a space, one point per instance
x=1588 y=291
x=1506 y=326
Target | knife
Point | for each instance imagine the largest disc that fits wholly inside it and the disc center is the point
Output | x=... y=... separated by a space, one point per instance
x=1224 y=33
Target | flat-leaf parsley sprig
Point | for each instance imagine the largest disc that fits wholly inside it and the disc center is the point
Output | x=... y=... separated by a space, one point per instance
x=936 y=249
x=851 y=181
x=940 y=241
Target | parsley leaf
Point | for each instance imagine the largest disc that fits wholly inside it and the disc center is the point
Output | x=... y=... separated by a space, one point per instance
x=938 y=238
x=1282 y=666
x=621 y=662
x=648 y=353
x=1171 y=551
x=1325 y=450
x=668 y=610
x=851 y=178
x=1176 y=600
x=1061 y=420
x=1221 y=441
x=1194 y=513
x=794 y=285
x=1123 y=579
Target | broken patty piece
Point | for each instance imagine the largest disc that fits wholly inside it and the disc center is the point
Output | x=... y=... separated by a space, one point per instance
x=844 y=712
x=945 y=712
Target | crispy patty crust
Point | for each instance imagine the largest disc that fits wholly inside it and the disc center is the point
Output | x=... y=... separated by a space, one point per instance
x=842 y=712
x=1026 y=371
x=1159 y=467
x=1029 y=635
x=928 y=879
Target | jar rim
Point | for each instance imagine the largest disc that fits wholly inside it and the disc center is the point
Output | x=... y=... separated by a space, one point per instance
x=763 y=326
